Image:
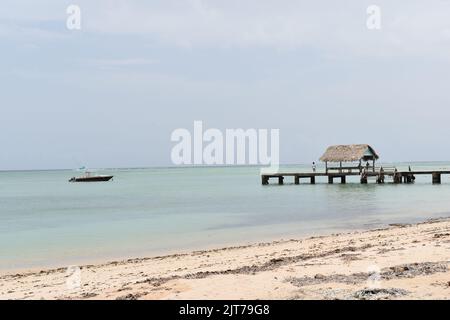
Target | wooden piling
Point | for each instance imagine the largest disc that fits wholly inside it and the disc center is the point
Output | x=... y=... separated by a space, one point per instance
x=436 y=176
x=398 y=176
x=409 y=178
x=280 y=180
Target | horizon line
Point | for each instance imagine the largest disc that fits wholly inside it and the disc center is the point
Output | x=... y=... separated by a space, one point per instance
x=205 y=166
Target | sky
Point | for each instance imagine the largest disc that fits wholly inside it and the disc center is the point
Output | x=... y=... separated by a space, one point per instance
x=111 y=93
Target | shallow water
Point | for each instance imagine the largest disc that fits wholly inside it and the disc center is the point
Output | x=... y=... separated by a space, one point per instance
x=47 y=221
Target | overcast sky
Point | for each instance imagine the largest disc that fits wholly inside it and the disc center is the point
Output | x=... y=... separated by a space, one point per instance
x=110 y=94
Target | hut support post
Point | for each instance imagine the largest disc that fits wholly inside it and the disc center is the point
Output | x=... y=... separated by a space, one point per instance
x=330 y=179
x=297 y=180
x=343 y=180
x=313 y=180
x=373 y=168
x=326 y=166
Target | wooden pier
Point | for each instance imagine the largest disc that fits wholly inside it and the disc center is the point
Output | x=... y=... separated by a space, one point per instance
x=379 y=175
x=342 y=161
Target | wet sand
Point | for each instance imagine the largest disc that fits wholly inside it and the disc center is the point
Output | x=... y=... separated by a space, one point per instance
x=409 y=261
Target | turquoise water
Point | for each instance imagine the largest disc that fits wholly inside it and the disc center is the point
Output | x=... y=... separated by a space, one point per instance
x=47 y=221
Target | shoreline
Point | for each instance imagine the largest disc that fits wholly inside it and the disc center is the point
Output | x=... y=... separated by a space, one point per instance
x=218 y=244
x=410 y=260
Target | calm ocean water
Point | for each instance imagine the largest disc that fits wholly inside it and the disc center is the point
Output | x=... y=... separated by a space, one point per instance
x=47 y=221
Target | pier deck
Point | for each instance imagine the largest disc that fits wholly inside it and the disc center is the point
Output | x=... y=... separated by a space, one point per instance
x=397 y=176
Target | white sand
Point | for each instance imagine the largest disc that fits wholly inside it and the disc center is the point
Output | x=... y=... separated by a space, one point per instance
x=399 y=262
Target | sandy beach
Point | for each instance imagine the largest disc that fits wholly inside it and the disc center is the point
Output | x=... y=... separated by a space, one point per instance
x=408 y=261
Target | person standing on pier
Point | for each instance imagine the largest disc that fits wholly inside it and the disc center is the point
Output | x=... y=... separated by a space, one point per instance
x=381 y=176
x=314 y=166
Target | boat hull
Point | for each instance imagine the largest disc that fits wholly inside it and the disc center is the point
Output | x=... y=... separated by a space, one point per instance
x=91 y=179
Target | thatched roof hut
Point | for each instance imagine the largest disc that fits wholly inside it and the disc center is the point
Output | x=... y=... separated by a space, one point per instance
x=349 y=153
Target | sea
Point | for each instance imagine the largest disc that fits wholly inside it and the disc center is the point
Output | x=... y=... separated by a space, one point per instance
x=46 y=221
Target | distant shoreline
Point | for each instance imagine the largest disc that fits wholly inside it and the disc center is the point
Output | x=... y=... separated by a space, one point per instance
x=412 y=262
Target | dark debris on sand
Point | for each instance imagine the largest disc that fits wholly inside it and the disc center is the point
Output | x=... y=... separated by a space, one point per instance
x=411 y=270
x=401 y=271
x=379 y=293
x=131 y=296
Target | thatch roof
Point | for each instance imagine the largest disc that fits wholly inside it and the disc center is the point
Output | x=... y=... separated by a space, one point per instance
x=349 y=153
